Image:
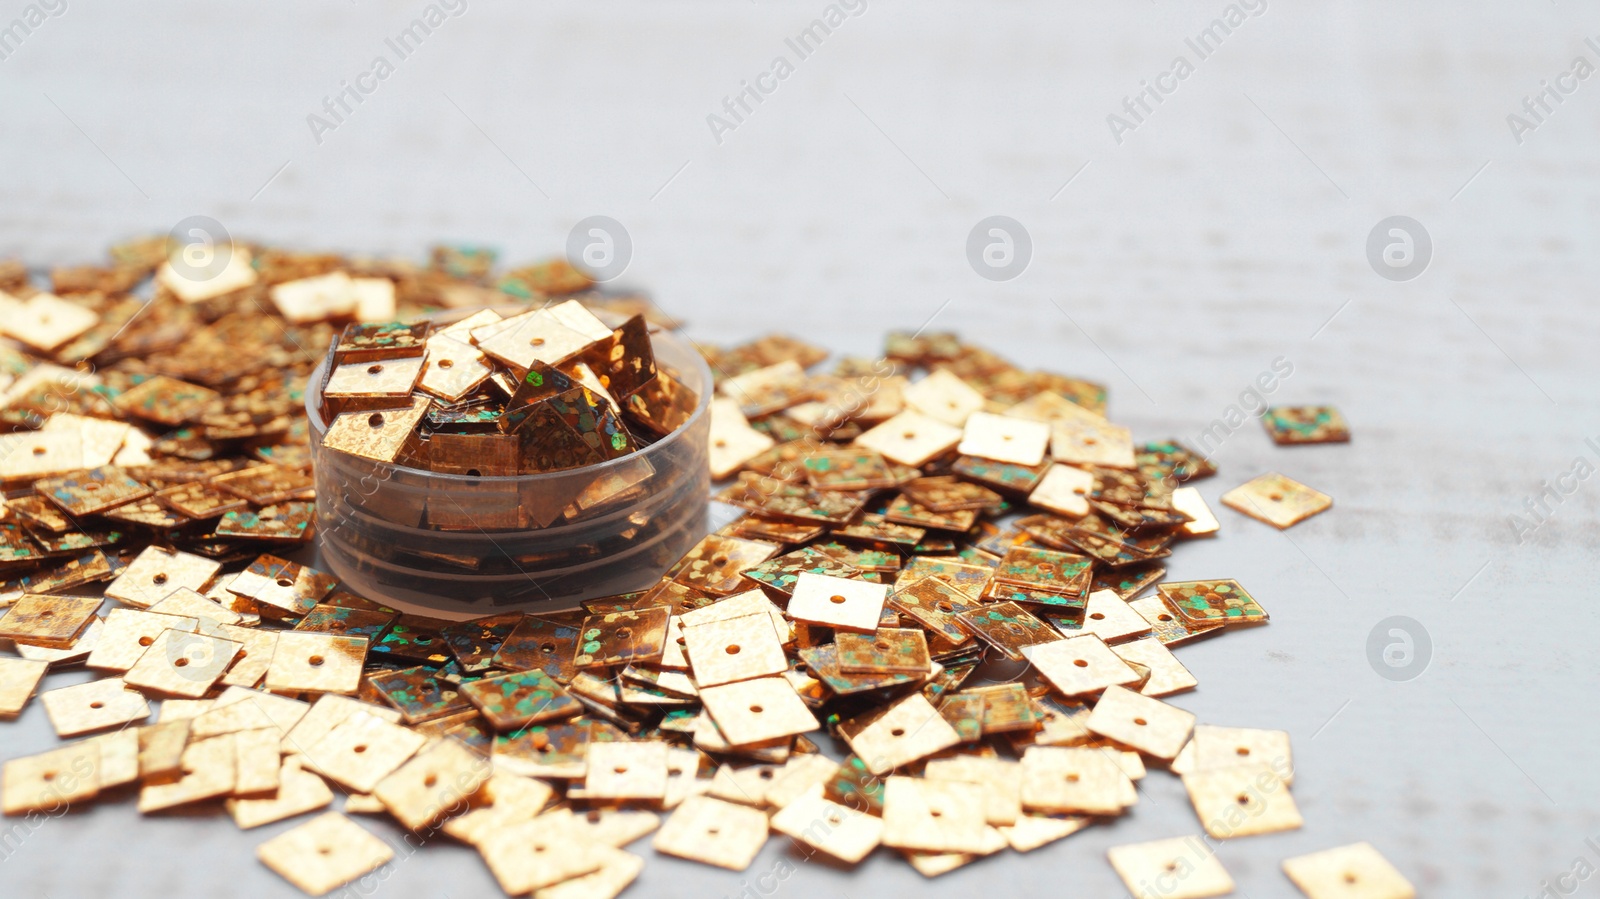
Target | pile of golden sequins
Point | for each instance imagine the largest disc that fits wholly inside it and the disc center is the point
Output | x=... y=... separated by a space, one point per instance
x=861 y=609
x=549 y=389
x=867 y=592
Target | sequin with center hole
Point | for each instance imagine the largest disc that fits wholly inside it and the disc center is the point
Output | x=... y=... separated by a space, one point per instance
x=30 y=455
x=50 y=781
x=894 y=650
x=1176 y=868
x=1356 y=871
x=1277 y=500
x=537 y=853
x=1001 y=438
x=361 y=751
x=753 y=711
x=943 y=396
x=127 y=633
x=935 y=604
x=1008 y=627
x=324 y=853
x=512 y=701
x=1111 y=619
x=1090 y=442
x=91 y=492
x=1223 y=747
x=837 y=602
x=1051 y=571
x=836 y=830
x=421 y=693
x=1167 y=674
x=378 y=436
x=732 y=442
x=475 y=642
x=538 y=643
x=1168 y=626
x=715 y=563
x=280 y=588
x=1078 y=666
x=55 y=622
x=933 y=815
x=911 y=438
x=725 y=650
x=327 y=712
x=1063 y=490
x=627 y=771
x=1076 y=780
x=182 y=664
x=316 y=663
x=713 y=832
x=909 y=730
x=453 y=368
x=1242 y=800
x=1212 y=602
x=157 y=572
x=622 y=637
x=1149 y=725
x=432 y=783
x=537 y=336
x=255 y=655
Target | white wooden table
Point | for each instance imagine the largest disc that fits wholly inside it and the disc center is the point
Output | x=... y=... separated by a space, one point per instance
x=1228 y=228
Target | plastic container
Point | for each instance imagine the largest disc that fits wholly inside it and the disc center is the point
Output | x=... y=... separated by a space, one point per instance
x=370 y=519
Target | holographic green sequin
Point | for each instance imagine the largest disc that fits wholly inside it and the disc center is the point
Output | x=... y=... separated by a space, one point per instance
x=519 y=699
x=414 y=639
x=1002 y=476
x=856 y=787
x=1128 y=582
x=778 y=575
x=537 y=643
x=1222 y=602
x=331 y=619
x=475 y=642
x=419 y=693
x=1305 y=424
x=1045 y=570
x=964 y=712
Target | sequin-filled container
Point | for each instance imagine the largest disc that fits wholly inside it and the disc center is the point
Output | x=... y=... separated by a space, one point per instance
x=611 y=528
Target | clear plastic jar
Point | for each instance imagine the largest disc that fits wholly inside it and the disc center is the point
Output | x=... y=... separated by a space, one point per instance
x=490 y=557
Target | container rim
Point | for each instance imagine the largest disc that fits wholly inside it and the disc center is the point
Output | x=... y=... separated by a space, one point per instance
x=683 y=345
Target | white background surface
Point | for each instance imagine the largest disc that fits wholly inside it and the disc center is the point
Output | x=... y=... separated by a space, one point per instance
x=1227 y=230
